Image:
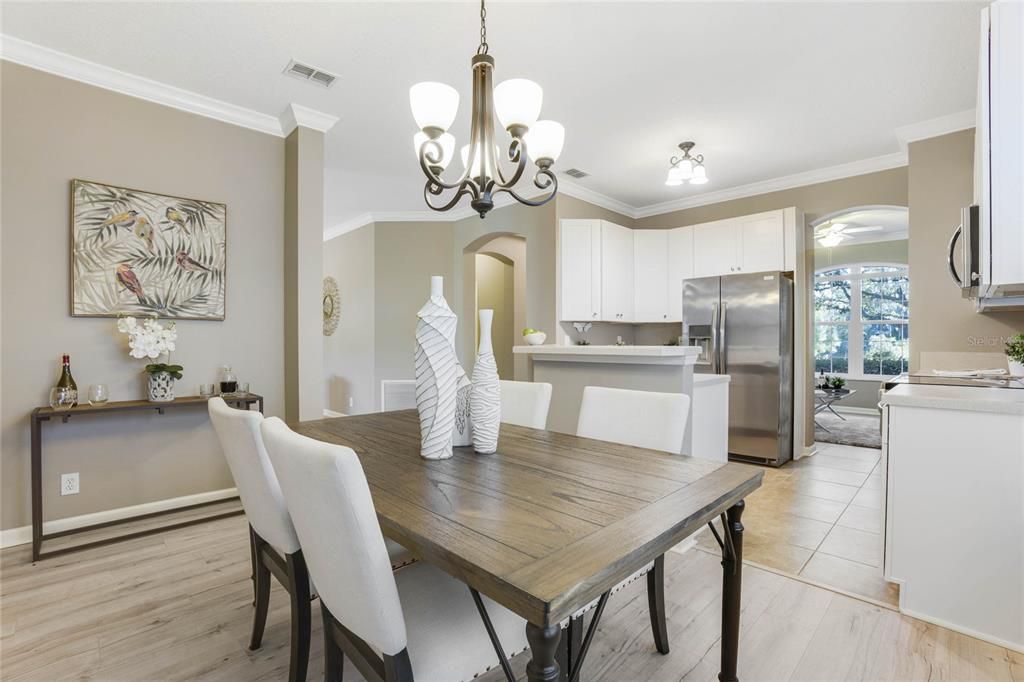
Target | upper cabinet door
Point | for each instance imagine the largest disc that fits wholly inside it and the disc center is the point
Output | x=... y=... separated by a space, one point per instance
x=616 y=273
x=716 y=248
x=580 y=262
x=650 y=275
x=762 y=242
x=680 y=267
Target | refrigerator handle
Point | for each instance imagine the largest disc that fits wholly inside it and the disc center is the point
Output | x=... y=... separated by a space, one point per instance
x=714 y=338
x=721 y=340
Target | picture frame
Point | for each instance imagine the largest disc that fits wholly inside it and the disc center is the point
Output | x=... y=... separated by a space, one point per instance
x=136 y=252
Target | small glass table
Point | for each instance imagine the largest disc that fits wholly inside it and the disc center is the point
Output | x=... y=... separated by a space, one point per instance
x=827 y=397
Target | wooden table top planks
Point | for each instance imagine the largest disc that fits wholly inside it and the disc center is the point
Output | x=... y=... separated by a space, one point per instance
x=546 y=524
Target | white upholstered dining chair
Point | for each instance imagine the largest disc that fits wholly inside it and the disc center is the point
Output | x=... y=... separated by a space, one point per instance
x=416 y=622
x=525 y=403
x=643 y=419
x=274 y=545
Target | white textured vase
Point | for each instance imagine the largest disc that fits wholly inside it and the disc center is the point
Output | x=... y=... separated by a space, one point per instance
x=462 y=432
x=160 y=387
x=436 y=373
x=1016 y=368
x=485 y=404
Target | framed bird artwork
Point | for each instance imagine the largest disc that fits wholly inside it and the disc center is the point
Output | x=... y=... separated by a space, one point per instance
x=139 y=252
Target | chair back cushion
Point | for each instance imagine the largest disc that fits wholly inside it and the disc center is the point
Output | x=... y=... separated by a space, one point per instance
x=640 y=418
x=239 y=434
x=525 y=403
x=330 y=504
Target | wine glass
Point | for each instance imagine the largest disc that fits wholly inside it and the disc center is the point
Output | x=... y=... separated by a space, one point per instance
x=98 y=394
x=63 y=398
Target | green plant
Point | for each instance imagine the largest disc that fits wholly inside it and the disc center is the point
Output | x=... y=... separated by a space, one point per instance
x=837 y=383
x=1015 y=348
x=173 y=370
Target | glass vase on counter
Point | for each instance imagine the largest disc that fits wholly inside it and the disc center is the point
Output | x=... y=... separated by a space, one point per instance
x=228 y=381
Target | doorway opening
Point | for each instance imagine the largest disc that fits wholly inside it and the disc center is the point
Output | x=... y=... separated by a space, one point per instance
x=494 y=276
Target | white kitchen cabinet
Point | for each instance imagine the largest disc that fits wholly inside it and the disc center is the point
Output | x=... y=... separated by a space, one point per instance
x=650 y=275
x=680 y=267
x=580 y=270
x=762 y=242
x=754 y=243
x=999 y=157
x=716 y=248
x=616 y=273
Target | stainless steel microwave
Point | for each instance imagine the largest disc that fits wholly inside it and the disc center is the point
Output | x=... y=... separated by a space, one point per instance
x=966 y=270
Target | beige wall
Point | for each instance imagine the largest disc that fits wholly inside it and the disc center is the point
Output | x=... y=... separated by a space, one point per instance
x=884 y=187
x=406 y=255
x=513 y=249
x=303 y=274
x=495 y=289
x=941 y=182
x=349 y=352
x=895 y=251
x=54 y=130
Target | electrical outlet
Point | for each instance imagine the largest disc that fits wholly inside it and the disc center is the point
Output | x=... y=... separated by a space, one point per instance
x=69 y=484
x=351 y=401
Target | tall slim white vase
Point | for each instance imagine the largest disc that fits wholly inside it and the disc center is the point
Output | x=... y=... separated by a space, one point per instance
x=436 y=373
x=462 y=433
x=485 y=404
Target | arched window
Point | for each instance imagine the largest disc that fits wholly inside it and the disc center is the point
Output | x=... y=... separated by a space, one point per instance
x=862 y=320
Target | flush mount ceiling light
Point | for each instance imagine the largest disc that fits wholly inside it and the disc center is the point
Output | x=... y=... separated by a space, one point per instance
x=686 y=168
x=516 y=103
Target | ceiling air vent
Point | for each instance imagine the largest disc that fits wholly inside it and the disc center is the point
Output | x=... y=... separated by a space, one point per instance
x=309 y=73
x=576 y=173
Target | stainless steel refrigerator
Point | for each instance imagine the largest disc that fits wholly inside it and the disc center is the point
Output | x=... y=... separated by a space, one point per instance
x=744 y=325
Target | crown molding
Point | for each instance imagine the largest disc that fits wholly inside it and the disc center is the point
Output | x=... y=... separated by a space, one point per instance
x=846 y=170
x=64 y=65
x=934 y=127
x=582 y=193
x=296 y=115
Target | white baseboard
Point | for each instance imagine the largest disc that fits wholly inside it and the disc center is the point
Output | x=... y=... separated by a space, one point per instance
x=23 y=535
x=331 y=414
x=1014 y=646
x=850 y=409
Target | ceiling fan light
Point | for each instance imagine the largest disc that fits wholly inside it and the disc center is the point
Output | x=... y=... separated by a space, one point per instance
x=544 y=141
x=447 y=142
x=517 y=102
x=434 y=105
x=831 y=239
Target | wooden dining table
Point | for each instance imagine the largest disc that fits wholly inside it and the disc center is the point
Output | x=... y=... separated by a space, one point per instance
x=550 y=522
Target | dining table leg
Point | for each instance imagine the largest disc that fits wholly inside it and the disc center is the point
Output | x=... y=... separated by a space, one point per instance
x=732 y=576
x=543 y=665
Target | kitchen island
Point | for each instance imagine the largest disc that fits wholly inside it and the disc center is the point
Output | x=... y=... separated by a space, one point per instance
x=669 y=369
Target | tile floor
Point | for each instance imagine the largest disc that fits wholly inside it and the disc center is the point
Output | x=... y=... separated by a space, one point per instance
x=820 y=518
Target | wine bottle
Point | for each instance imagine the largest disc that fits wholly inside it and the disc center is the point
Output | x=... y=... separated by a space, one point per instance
x=66 y=380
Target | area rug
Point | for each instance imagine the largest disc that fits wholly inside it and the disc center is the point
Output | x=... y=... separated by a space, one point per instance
x=861 y=430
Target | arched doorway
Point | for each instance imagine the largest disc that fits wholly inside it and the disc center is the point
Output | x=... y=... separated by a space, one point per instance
x=494 y=276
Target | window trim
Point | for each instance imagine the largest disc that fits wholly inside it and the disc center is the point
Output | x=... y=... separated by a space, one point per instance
x=855 y=325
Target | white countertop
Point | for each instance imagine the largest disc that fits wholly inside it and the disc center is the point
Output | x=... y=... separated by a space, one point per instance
x=710 y=379
x=967 y=398
x=669 y=355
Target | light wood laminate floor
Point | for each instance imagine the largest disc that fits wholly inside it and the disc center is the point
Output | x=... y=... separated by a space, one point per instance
x=177 y=606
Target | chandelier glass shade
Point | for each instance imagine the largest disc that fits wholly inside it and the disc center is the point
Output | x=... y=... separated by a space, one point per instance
x=516 y=103
x=686 y=168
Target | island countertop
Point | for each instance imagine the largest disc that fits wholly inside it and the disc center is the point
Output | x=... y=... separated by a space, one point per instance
x=668 y=355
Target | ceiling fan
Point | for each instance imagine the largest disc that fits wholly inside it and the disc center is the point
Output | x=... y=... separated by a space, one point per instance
x=832 y=234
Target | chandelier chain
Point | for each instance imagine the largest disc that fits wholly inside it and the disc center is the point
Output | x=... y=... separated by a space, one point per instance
x=483 y=30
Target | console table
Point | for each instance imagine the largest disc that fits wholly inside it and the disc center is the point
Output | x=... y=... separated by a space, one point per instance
x=44 y=414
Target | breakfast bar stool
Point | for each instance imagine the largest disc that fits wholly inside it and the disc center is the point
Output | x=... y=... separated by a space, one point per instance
x=394 y=626
x=642 y=419
x=274 y=545
x=525 y=403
